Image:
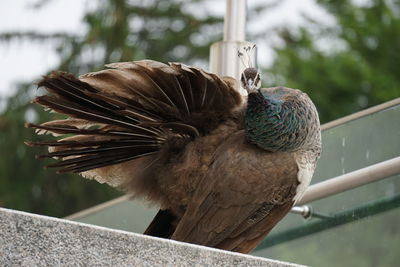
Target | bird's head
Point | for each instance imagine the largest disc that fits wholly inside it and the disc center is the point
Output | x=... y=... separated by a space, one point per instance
x=282 y=119
x=250 y=80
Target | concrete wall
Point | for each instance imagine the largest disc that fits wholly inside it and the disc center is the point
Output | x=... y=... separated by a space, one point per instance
x=32 y=240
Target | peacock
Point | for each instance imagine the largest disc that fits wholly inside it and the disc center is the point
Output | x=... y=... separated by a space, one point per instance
x=222 y=168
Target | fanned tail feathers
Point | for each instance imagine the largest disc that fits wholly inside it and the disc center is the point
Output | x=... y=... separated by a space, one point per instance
x=133 y=110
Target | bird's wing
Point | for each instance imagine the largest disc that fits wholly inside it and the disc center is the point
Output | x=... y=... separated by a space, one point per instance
x=131 y=111
x=246 y=192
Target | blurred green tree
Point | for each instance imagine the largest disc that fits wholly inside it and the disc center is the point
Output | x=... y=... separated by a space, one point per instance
x=357 y=66
x=117 y=30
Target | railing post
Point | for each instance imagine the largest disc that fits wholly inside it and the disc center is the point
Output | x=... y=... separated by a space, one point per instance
x=223 y=55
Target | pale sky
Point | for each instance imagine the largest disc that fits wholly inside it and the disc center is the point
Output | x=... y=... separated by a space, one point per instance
x=22 y=60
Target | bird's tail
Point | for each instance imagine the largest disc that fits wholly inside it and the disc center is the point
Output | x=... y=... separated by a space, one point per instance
x=133 y=111
x=102 y=130
x=106 y=130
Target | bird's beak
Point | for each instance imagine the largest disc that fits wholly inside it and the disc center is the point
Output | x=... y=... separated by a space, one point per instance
x=250 y=88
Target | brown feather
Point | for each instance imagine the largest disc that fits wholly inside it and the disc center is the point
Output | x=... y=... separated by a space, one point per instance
x=172 y=134
x=133 y=110
x=163 y=224
x=220 y=208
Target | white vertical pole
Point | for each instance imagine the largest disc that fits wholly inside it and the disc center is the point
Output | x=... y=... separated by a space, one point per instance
x=235 y=20
x=223 y=55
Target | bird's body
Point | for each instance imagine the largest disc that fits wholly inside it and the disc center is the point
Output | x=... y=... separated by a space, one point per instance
x=223 y=170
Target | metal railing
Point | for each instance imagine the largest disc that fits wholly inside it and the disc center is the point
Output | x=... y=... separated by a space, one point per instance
x=340 y=218
x=351 y=180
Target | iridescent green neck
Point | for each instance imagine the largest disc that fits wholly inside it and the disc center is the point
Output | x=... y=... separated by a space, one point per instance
x=272 y=124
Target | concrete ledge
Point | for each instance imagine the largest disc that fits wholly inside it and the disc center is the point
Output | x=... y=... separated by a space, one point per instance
x=33 y=240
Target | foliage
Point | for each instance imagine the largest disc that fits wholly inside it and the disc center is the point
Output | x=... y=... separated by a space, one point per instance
x=24 y=184
x=127 y=30
x=360 y=67
x=117 y=30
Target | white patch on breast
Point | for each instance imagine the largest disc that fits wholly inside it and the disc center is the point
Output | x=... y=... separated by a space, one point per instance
x=304 y=176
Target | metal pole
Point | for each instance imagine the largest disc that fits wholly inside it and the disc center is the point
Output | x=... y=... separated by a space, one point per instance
x=235 y=20
x=351 y=180
x=223 y=55
x=344 y=217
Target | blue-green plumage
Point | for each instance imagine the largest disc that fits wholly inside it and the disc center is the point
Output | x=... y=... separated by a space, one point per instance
x=275 y=119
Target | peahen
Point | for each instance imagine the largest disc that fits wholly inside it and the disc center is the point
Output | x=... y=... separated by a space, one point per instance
x=223 y=168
